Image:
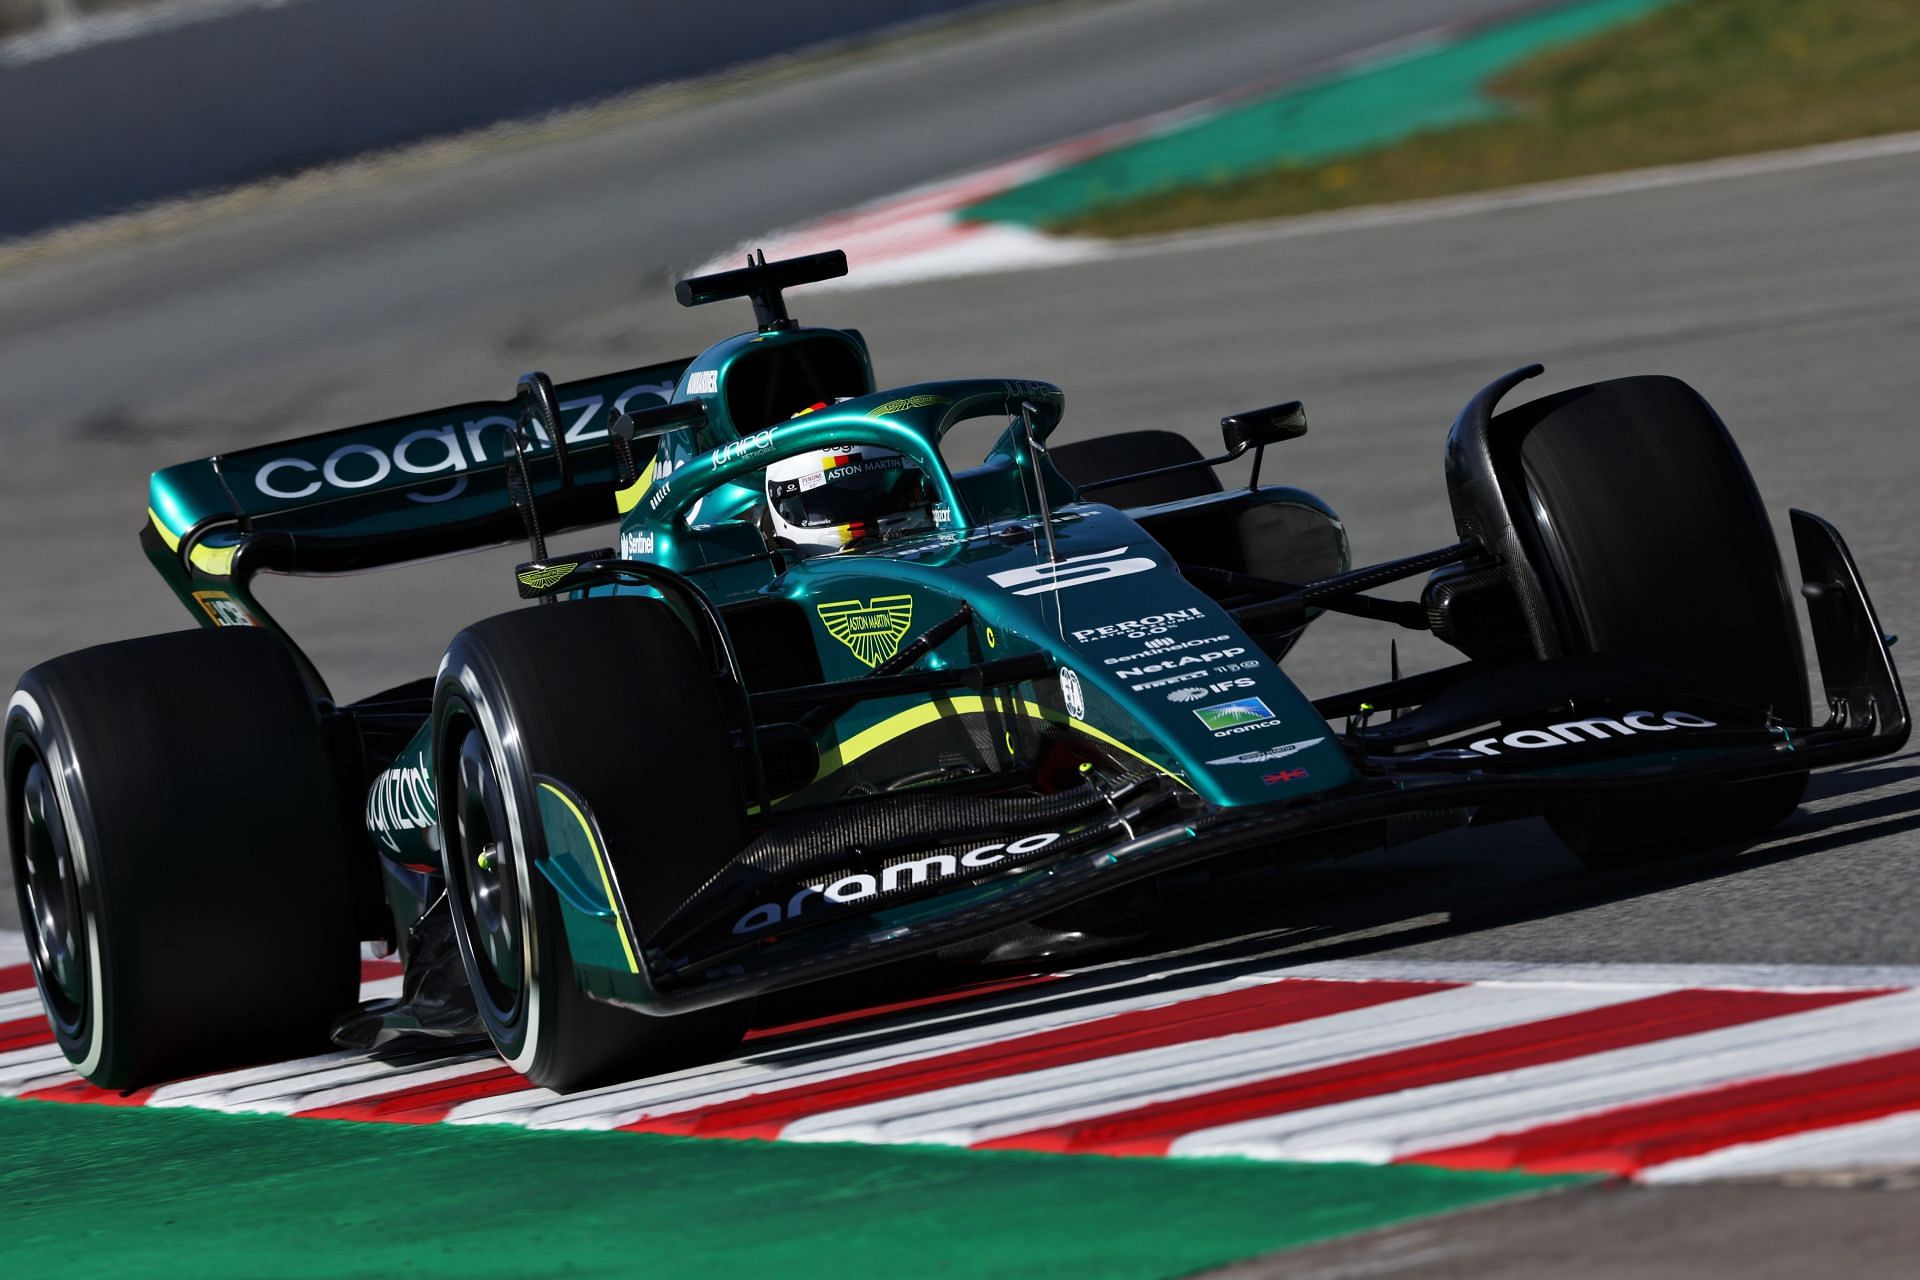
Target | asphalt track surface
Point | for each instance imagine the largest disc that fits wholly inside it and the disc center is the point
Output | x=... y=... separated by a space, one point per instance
x=1792 y=299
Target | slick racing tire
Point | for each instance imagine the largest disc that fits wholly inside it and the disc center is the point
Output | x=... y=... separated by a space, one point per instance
x=1646 y=517
x=1128 y=453
x=611 y=698
x=180 y=856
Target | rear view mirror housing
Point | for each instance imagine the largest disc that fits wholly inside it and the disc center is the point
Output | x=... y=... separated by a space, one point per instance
x=632 y=431
x=1257 y=428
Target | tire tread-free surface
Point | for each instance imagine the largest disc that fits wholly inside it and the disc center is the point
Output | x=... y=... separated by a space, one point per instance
x=612 y=698
x=217 y=852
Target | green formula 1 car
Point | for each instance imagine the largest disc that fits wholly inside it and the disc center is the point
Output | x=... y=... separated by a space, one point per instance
x=833 y=702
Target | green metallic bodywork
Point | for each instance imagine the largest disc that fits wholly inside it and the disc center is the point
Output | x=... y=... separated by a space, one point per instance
x=1110 y=571
x=364 y=497
x=1113 y=610
x=575 y=865
x=1075 y=644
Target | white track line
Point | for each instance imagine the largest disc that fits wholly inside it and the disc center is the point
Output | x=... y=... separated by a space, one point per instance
x=1746 y=977
x=1383 y=1128
x=52 y=1071
x=963 y=250
x=28 y=1064
x=322 y=1081
x=1889 y=1140
x=1654 y=178
x=16 y=1005
x=1395 y=1124
x=803 y=1064
x=360 y=1081
x=978 y=1112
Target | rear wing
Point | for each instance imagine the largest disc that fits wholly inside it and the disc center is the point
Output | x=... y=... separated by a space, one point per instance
x=385 y=493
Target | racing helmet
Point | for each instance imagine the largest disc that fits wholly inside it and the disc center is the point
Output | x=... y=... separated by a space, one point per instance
x=828 y=499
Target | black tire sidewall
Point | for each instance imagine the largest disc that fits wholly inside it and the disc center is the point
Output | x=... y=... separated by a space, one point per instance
x=1646 y=527
x=1659 y=543
x=611 y=698
x=211 y=852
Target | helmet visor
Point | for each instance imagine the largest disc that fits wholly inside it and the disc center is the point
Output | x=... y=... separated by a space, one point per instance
x=850 y=489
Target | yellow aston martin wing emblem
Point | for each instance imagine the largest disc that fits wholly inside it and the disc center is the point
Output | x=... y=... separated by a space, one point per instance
x=873 y=630
x=542 y=578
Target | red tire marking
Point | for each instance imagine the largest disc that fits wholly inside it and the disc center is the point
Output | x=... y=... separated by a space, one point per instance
x=1253 y=1008
x=1629 y=1139
x=1152 y=1130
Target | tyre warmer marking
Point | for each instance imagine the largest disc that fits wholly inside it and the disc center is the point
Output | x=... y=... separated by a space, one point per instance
x=1644 y=1073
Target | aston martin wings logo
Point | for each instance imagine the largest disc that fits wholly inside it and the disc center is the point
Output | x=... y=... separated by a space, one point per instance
x=873 y=630
x=546 y=575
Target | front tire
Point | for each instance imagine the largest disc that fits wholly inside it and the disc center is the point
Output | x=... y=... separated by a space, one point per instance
x=179 y=855
x=612 y=698
x=1647 y=521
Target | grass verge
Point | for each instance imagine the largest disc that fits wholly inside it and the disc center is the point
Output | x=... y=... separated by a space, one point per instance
x=1699 y=80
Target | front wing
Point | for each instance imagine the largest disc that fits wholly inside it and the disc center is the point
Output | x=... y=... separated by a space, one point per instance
x=1158 y=827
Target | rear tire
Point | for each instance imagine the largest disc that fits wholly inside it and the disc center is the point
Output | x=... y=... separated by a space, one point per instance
x=612 y=698
x=1127 y=453
x=1647 y=519
x=179 y=855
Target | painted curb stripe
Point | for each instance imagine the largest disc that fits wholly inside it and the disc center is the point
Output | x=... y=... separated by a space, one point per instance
x=72 y=1090
x=346 y=1082
x=431 y=1103
x=1258 y=1008
x=27 y=1033
x=968 y=1115
x=874 y=1013
x=1631 y=1138
x=1889 y=1142
x=1396 y=1125
x=422 y=1104
x=998 y=1018
x=1153 y=1130
x=1666 y=1073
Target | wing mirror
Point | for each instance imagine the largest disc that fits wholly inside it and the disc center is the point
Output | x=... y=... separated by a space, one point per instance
x=1257 y=428
x=647 y=425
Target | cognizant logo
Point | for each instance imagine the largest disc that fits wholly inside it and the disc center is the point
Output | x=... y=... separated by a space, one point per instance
x=447 y=449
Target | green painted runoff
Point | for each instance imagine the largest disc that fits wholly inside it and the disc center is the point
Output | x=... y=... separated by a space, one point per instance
x=110 y=1191
x=1422 y=88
